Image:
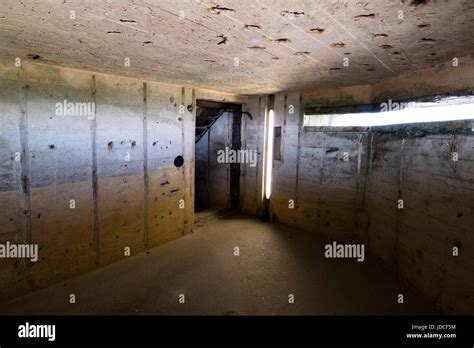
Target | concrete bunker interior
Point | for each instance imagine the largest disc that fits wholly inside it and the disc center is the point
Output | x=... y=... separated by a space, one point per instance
x=166 y=148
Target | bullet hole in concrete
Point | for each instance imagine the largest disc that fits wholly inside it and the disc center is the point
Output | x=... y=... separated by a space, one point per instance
x=38 y=216
x=180 y=119
x=380 y=35
x=424 y=25
x=209 y=60
x=175 y=190
x=347 y=53
x=25 y=212
x=51 y=146
x=51 y=118
x=114 y=32
x=147 y=42
x=251 y=26
x=275 y=58
x=110 y=146
x=25 y=181
x=459 y=215
x=178 y=161
x=427 y=39
x=12 y=219
x=33 y=56
x=301 y=53
x=292 y=13
x=223 y=39
x=339 y=44
x=419 y=2
x=127 y=20
x=316 y=30
x=370 y=15
x=386 y=47
x=189 y=108
x=121 y=142
x=333 y=69
x=282 y=40
x=165 y=183
x=154 y=143
x=148 y=252
x=256 y=47
x=218 y=9
x=395 y=53
x=134 y=143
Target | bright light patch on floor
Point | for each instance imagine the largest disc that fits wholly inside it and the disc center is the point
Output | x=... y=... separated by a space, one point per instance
x=269 y=159
x=450 y=109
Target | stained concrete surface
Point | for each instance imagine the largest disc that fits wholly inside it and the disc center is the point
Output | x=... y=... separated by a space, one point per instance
x=274 y=261
x=195 y=43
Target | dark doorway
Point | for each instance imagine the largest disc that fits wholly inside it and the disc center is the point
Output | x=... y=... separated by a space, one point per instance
x=218 y=129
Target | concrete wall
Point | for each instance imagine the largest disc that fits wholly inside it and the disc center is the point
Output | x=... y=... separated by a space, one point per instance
x=252 y=139
x=356 y=200
x=118 y=167
x=438 y=212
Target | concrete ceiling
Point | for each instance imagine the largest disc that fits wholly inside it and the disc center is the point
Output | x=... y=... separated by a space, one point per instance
x=278 y=44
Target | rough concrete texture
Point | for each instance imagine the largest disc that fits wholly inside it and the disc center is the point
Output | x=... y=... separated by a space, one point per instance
x=251 y=190
x=276 y=42
x=441 y=78
x=118 y=167
x=357 y=200
x=274 y=262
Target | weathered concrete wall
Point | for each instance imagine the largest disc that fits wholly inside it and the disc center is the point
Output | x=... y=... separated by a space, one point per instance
x=438 y=213
x=252 y=139
x=85 y=188
x=357 y=200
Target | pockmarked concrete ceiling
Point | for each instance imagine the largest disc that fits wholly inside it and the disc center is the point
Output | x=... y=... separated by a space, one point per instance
x=240 y=46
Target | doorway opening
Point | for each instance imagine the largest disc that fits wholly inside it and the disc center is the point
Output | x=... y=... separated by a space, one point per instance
x=216 y=179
